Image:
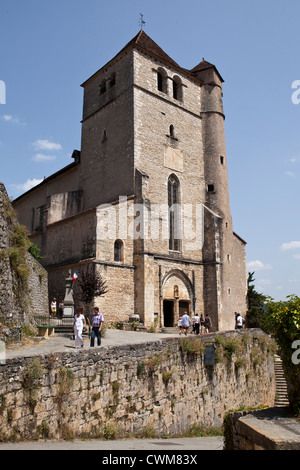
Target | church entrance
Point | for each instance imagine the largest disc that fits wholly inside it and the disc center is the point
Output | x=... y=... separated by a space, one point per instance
x=168 y=313
x=176 y=297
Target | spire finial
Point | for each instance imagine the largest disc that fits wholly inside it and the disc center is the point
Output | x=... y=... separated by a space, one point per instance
x=142 y=22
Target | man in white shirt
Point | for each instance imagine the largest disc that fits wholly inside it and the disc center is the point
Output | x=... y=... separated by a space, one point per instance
x=185 y=322
x=239 y=321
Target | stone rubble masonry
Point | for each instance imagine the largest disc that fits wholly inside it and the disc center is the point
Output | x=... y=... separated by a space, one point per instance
x=36 y=292
x=132 y=388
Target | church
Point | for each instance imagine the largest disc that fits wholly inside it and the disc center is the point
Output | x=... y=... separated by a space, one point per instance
x=145 y=200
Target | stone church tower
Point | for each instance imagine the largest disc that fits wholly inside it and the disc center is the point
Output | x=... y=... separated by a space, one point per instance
x=146 y=200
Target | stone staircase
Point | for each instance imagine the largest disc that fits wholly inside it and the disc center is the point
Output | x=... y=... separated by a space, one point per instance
x=281 y=386
x=170 y=330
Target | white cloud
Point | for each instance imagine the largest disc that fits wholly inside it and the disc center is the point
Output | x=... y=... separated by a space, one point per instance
x=265 y=281
x=40 y=157
x=12 y=119
x=297 y=256
x=30 y=183
x=258 y=265
x=44 y=144
x=290 y=173
x=290 y=245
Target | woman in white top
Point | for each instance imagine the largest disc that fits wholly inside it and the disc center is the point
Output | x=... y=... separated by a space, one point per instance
x=79 y=323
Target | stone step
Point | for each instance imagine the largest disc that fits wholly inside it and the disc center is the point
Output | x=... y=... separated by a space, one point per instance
x=170 y=330
x=281 y=386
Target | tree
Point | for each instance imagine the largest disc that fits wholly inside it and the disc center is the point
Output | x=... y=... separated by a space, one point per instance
x=89 y=285
x=283 y=320
x=256 y=305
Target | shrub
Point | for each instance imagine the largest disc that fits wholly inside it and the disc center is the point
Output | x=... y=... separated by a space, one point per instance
x=32 y=381
x=283 y=321
x=192 y=345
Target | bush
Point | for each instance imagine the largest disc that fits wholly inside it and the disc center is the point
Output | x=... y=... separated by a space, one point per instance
x=192 y=346
x=283 y=321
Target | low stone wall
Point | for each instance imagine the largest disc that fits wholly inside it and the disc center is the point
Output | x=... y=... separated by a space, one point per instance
x=269 y=429
x=162 y=387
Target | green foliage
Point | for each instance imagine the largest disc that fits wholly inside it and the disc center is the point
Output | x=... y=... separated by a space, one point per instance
x=65 y=383
x=19 y=245
x=35 y=251
x=283 y=320
x=32 y=381
x=256 y=305
x=192 y=345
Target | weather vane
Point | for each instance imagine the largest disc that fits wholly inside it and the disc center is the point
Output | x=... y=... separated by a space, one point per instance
x=142 y=22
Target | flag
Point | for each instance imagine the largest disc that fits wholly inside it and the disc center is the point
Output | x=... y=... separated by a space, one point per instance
x=74 y=277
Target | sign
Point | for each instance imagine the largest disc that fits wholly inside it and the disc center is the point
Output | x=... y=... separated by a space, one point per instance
x=209 y=356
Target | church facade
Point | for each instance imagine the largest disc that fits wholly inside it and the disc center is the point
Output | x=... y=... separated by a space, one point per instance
x=146 y=199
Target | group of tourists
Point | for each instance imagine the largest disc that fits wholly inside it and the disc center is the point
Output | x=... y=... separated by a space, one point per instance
x=200 y=325
x=80 y=325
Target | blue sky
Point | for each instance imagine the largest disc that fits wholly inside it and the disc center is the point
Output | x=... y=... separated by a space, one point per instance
x=49 y=48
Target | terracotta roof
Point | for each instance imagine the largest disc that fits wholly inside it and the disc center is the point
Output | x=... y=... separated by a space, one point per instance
x=143 y=41
x=203 y=65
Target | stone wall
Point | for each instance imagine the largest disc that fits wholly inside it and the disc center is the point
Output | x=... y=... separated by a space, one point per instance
x=20 y=297
x=269 y=429
x=162 y=386
x=37 y=285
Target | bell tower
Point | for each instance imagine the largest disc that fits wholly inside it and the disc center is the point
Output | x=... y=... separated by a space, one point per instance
x=218 y=246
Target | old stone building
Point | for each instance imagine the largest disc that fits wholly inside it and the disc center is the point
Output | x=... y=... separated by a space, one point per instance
x=146 y=199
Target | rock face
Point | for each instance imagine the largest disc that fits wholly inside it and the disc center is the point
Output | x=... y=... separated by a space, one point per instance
x=8 y=304
x=23 y=281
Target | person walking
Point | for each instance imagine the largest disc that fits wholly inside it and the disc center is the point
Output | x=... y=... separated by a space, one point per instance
x=207 y=323
x=53 y=308
x=180 y=325
x=201 y=324
x=239 y=321
x=79 y=324
x=185 y=323
x=97 y=323
x=61 y=309
x=197 y=324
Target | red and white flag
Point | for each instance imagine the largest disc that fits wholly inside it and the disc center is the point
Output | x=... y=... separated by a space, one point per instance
x=74 y=277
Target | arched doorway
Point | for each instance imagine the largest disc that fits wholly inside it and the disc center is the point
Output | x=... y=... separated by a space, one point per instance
x=177 y=297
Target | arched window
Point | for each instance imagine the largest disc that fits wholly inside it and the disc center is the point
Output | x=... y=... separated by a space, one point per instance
x=159 y=81
x=119 y=251
x=174 y=213
x=172 y=134
x=177 y=88
x=162 y=78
